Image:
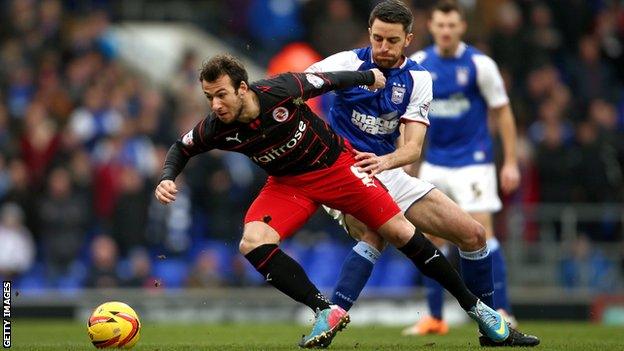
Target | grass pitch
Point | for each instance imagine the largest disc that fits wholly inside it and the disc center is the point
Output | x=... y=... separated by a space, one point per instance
x=69 y=335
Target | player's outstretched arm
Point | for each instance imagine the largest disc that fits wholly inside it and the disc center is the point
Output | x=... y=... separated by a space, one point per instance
x=309 y=85
x=174 y=164
x=196 y=141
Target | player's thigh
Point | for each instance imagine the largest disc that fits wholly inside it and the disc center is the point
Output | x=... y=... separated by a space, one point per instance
x=397 y=230
x=438 y=215
x=283 y=208
x=404 y=189
x=475 y=188
x=353 y=192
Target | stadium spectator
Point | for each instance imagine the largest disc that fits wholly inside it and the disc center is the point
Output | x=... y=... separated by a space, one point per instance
x=130 y=211
x=556 y=164
x=102 y=272
x=507 y=38
x=542 y=39
x=39 y=144
x=206 y=272
x=18 y=247
x=585 y=266
x=333 y=28
x=599 y=174
x=94 y=119
x=591 y=77
x=63 y=222
x=140 y=270
x=184 y=81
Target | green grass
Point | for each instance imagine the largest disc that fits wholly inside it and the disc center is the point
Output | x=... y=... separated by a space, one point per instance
x=67 y=335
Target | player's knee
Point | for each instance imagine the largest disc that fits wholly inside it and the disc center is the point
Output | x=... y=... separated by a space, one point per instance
x=397 y=231
x=373 y=239
x=475 y=238
x=250 y=241
x=245 y=246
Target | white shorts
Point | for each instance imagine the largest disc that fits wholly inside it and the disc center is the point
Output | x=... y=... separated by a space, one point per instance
x=404 y=189
x=474 y=188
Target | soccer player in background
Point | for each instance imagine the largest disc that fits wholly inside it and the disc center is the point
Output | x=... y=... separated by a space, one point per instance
x=459 y=160
x=308 y=164
x=370 y=121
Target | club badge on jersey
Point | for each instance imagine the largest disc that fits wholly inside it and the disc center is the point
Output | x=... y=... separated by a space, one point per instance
x=398 y=93
x=463 y=75
x=280 y=114
x=187 y=139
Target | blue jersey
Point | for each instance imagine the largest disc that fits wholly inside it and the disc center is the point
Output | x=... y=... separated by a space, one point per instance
x=370 y=119
x=464 y=87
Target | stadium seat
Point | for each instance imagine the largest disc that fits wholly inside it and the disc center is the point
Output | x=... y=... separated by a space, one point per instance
x=324 y=266
x=399 y=273
x=171 y=272
x=32 y=281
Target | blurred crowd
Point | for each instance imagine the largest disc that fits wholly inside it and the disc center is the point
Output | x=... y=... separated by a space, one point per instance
x=83 y=138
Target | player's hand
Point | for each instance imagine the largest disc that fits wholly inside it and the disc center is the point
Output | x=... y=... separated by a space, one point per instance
x=509 y=178
x=166 y=191
x=370 y=163
x=380 y=80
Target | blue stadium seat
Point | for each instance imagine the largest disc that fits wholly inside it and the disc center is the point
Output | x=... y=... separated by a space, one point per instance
x=399 y=273
x=33 y=280
x=171 y=272
x=124 y=268
x=324 y=266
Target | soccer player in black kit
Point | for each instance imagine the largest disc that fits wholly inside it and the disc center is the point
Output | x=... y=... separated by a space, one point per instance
x=308 y=165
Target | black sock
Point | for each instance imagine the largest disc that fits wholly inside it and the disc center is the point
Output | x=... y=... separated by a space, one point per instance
x=284 y=273
x=432 y=263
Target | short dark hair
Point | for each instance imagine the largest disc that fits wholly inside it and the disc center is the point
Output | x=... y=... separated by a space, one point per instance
x=392 y=11
x=447 y=6
x=223 y=64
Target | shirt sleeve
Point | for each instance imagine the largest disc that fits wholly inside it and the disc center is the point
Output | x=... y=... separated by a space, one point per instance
x=490 y=81
x=196 y=141
x=308 y=85
x=342 y=61
x=420 y=100
x=419 y=56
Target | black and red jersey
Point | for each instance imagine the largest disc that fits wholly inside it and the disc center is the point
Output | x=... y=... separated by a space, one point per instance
x=287 y=138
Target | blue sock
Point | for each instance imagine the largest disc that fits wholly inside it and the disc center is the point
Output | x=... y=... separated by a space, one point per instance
x=356 y=269
x=476 y=267
x=499 y=273
x=435 y=296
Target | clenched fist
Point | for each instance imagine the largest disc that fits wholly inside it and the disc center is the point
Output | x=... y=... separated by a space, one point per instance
x=380 y=80
x=166 y=191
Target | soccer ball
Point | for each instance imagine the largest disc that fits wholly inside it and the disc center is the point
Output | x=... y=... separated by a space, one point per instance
x=114 y=324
